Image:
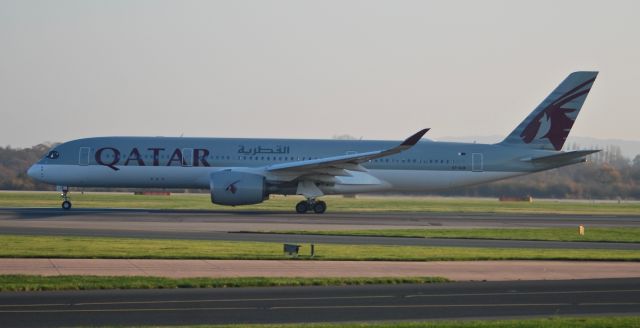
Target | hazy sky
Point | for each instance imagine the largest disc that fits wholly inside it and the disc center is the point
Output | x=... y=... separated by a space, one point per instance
x=303 y=69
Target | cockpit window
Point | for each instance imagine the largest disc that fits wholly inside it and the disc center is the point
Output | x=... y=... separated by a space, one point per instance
x=53 y=154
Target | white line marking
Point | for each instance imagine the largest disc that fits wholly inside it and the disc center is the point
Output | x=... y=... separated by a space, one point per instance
x=328 y=307
x=528 y=293
x=208 y=301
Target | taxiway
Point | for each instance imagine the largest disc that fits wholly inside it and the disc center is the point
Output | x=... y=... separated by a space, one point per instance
x=466 y=300
x=250 y=226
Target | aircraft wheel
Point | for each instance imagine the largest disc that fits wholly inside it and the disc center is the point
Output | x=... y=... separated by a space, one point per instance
x=319 y=207
x=66 y=205
x=302 y=207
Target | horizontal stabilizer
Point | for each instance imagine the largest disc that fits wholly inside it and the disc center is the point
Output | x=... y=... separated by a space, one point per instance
x=563 y=157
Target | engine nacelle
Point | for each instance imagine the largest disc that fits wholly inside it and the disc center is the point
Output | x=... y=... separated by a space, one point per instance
x=237 y=188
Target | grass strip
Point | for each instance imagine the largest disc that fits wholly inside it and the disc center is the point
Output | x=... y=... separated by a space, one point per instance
x=618 y=235
x=552 y=322
x=40 y=283
x=369 y=204
x=14 y=246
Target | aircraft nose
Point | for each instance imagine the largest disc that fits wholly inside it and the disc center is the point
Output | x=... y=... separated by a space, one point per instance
x=33 y=171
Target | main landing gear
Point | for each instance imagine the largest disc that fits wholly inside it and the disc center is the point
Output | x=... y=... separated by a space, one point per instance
x=66 y=204
x=311 y=204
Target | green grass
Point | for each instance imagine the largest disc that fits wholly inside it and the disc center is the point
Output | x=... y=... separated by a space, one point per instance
x=336 y=204
x=552 y=322
x=12 y=246
x=40 y=283
x=620 y=235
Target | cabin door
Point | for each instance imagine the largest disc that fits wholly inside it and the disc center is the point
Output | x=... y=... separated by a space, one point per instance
x=476 y=162
x=187 y=157
x=83 y=156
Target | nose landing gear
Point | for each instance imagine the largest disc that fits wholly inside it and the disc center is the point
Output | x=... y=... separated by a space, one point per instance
x=66 y=203
x=317 y=207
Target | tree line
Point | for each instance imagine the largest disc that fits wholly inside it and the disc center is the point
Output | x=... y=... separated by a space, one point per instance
x=14 y=164
x=607 y=175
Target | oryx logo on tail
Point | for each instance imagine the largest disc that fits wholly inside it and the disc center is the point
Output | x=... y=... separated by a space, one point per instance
x=555 y=121
x=548 y=126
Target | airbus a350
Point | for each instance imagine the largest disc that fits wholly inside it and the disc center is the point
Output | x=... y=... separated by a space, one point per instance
x=246 y=171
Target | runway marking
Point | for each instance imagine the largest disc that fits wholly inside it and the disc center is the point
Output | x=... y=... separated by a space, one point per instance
x=622 y=303
x=34 y=305
x=321 y=307
x=327 y=307
x=207 y=301
x=332 y=298
x=245 y=300
x=528 y=293
x=130 y=310
x=416 y=306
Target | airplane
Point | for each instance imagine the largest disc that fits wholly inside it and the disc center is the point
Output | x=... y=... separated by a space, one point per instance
x=245 y=171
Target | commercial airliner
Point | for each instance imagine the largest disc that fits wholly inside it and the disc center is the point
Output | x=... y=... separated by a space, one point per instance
x=247 y=171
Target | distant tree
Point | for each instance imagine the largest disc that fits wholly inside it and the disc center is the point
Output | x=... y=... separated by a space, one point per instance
x=14 y=164
x=344 y=137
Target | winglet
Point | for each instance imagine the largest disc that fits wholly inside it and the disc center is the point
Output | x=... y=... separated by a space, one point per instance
x=414 y=138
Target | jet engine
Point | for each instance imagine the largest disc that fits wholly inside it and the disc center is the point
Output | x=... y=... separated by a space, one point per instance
x=237 y=188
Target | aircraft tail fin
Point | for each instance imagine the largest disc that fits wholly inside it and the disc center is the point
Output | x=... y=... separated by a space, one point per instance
x=548 y=126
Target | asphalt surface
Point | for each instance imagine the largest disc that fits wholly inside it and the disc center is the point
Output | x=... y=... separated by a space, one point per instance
x=477 y=300
x=380 y=220
x=454 y=270
x=242 y=226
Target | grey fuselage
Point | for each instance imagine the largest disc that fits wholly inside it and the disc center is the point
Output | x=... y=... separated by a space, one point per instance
x=167 y=162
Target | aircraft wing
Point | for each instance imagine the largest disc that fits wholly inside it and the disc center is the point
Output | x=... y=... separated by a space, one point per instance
x=336 y=165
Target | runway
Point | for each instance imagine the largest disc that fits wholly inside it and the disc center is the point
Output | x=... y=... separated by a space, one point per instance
x=265 y=220
x=475 y=300
x=241 y=226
